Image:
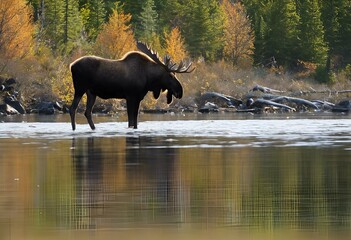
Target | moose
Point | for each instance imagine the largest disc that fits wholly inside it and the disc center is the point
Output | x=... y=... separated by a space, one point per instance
x=130 y=78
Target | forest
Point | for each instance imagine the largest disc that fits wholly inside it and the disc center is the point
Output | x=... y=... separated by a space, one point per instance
x=291 y=45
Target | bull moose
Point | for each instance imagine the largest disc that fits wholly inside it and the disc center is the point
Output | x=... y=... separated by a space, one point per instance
x=130 y=78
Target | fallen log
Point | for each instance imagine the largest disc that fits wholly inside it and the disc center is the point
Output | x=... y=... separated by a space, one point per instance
x=228 y=100
x=297 y=101
x=265 y=89
x=260 y=103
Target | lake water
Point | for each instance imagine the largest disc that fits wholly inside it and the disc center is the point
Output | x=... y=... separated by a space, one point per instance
x=217 y=176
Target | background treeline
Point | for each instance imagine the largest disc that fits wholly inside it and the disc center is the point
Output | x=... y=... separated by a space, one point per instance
x=310 y=38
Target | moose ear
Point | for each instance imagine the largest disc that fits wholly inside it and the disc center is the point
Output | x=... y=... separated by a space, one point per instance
x=169 y=96
x=156 y=93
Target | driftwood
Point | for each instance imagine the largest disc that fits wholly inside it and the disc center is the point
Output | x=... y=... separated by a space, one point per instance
x=260 y=103
x=228 y=100
x=268 y=98
x=297 y=101
x=265 y=89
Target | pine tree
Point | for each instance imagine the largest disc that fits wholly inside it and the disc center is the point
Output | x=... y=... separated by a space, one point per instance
x=312 y=45
x=203 y=28
x=148 y=22
x=330 y=19
x=51 y=21
x=72 y=25
x=116 y=37
x=344 y=33
x=281 y=36
x=258 y=10
x=60 y=24
x=93 y=15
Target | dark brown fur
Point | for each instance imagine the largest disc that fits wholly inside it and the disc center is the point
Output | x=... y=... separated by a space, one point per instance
x=129 y=78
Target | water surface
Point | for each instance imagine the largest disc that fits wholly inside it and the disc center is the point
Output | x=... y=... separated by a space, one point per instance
x=176 y=177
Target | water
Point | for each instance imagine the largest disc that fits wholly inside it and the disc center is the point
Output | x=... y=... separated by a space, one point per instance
x=176 y=177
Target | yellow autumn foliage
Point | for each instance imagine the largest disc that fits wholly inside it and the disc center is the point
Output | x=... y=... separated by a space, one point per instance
x=16 y=28
x=175 y=45
x=116 y=37
x=238 y=34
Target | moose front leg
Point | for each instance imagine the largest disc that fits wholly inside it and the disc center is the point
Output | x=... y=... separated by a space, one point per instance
x=133 y=110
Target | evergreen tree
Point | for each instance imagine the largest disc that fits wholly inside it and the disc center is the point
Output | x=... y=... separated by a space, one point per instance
x=281 y=37
x=93 y=15
x=134 y=8
x=60 y=23
x=330 y=19
x=51 y=22
x=344 y=33
x=72 y=25
x=203 y=28
x=312 y=45
x=257 y=12
x=148 y=22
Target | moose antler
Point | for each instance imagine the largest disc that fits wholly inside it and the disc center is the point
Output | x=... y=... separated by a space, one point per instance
x=167 y=62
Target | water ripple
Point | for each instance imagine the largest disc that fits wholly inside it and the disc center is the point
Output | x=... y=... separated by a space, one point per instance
x=294 y=132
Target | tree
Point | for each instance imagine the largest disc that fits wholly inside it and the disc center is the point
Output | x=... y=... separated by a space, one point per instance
x=175 y=45
x=93 y=15
x=330 y=19
x=202 y=23
x=116 y=37
x=281 y=35
x=72 y=25
x=257 y=12
x=344 y=33
x=60 y=24
x=16 y=28
x=51 y=23
x=238 y=34
x=313 y=47
x=148 y=22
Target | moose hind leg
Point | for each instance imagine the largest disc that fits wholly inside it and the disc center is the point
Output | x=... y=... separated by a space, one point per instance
x=73 y=108
x=88 y=111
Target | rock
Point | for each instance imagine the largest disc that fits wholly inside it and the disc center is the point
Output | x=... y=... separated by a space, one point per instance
x=14 y=103
x=209 y=107
x=8 y=110
x=343 y=106
x=44 y=108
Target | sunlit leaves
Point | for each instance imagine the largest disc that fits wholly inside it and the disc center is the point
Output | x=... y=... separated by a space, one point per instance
x=16 y=28
x=175 y=45
x=238 y=35
x=116 y=37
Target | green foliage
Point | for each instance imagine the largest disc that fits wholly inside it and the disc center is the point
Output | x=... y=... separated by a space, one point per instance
x=313 y=48
x=281 y=36
x=93 y=15
x=203 y=29
x=324 y=75
x=61 y=25
x=148 y=22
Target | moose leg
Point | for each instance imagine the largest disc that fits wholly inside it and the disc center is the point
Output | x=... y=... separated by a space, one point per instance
x=90 y=104
x=133 y=110
x=73 y=108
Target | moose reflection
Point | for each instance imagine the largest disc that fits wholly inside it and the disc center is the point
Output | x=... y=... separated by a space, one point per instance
x=117 y=186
